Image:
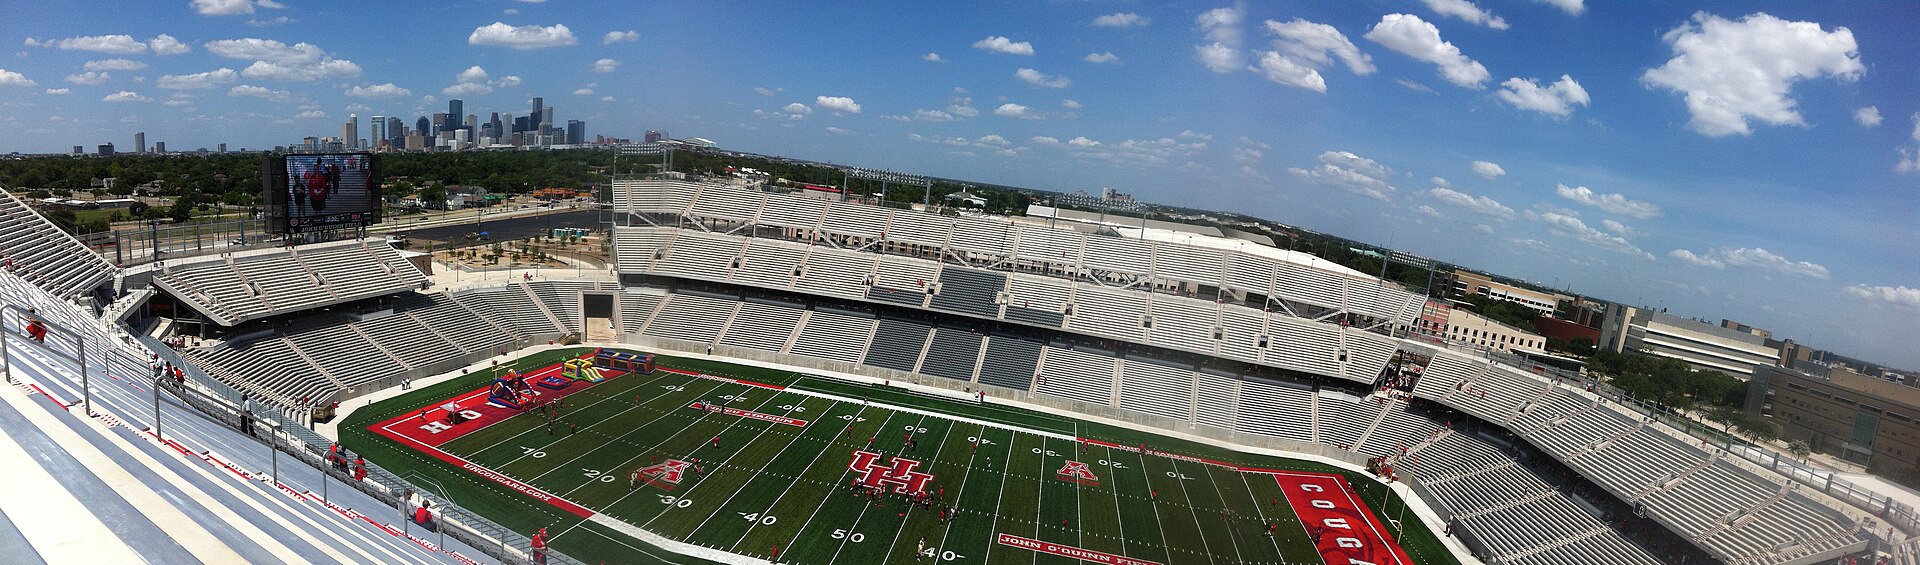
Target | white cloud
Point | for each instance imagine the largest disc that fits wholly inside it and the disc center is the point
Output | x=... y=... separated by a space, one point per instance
x=198 y=81
x=472 y=74
x=311 y=114
x=1103 y=58
x=1867 y=117
x=1557 y=99
x=466 y=89
x=89 y=78
x=116 y=44
x=1038 y=78
x=270 y=22
x=1223 y=29
x=328 y=69
x=797 y=108
x=605 y=65
x=839 y=131
x=1483 y=228
x=1217 y=57
x=1000 y=44
x=963 y=107
x=1751 y=258
x=273 y=60
x=1466 y=10
x=164 y=44
x=1477 y=204
x=1487 y=170
x=1569 y=225
x=1611 y=202
x=1571 y=7
x=1070 y=104
x=1414 y=86
x=1284 y=70
x=932 y=57
x=1012 y=110
x=1044 y=140
x=525 y=37
x=1082 y=141
x=1621 y=229
x=126 y=96
x=378 y=91
x=1352 y=173
x=1734 y=71
x=1910 y=156
x=358 y=107
x=57 y=91
x=1190 y=134
x=837 y=104
x=764 y=91
x=1411 y=36
x=613 y=37
x=1429 y=211
x=1896 y=295
x=1122 y=19
x=223 y=7
x=1529 y=243
x=606 y=99
x=993 y=139
x=583 y=92
x=12 y=78
x=932 y=116
x=1316 y=45
x=114 y=65
x=260 y=92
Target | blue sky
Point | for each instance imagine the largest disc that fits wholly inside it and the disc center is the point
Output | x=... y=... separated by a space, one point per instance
x=1753 y=161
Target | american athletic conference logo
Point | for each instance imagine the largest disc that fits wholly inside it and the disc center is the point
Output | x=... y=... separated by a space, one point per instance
x=901 y=475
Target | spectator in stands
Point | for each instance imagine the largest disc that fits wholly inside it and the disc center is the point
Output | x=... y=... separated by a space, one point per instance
x=423 y=515
x=540 y=547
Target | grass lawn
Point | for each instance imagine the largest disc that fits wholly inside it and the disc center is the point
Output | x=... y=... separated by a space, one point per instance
x=772 y=485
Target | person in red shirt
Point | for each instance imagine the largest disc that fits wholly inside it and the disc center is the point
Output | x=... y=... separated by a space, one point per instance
x=540 y=547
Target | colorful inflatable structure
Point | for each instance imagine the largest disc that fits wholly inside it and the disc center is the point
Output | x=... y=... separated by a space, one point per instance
x=509 y=391
x=581 y=369
x=630 y=362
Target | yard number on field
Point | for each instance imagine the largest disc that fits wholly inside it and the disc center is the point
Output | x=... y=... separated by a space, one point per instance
x=531 y=452
x=980 y=440
x=673 y=388
x=792 y=408
x=944 y=555
x=855 y=537
x=595 y=474
x=676 y=501
x=766 y=520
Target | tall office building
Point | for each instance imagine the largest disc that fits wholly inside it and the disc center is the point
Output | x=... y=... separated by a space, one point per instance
x=495 y=121
x=472 y=122
x=535 y=115
x=455 y=108
x=655 y=136
x=160 y=147
x=377 y=130
x=223 y=148
x=106 y=150
x=139 y=142
x=576 y=132
x=440 y=123
x=350 y=132
x=396 y=133
x=77 y=149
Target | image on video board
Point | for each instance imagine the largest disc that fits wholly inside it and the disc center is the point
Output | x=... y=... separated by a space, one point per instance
x=327 y=189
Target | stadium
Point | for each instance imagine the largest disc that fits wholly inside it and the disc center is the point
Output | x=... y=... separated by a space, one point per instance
x=762 y=376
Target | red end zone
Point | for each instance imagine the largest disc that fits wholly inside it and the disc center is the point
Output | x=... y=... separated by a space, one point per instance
x=428 y=425
x=1348 y=532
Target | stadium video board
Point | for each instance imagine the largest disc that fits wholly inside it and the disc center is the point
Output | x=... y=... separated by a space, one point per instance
x=320 y=191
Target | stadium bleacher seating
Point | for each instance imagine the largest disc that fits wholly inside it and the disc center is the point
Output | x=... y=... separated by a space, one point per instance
x=42 y=254
x=952 y=353
x=232 y=290
x=1077 y=375
x=897 y=345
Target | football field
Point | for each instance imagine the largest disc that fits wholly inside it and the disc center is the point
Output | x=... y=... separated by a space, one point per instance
x=752 y=461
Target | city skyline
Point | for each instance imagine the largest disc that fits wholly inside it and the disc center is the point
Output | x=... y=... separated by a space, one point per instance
x=1746 y=161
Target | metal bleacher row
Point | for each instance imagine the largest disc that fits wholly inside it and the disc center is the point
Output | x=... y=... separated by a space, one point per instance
x=1737 y=513
x=316 y=358
x=97 y=486
x=1227 y=330
x=42 y=254
x=231 y=290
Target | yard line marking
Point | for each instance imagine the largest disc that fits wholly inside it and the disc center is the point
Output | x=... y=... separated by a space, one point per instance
x=1159 y=520
x=930 y=461
x=829 y=496
x=670 y=437
x=1225 y=513
x=863 y=512
x=1118 y=515
x=893 y=407
x=723 y=463
x=1263 y=515
x=987 y=554
x=1040 y=500
x=783 y=496
x=551 y=443
x=1191 y=510
x=622 y=437
x=743 y=486
x=942 y=544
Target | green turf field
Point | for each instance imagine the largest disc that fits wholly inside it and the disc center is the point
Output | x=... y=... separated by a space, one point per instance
x=772 y=485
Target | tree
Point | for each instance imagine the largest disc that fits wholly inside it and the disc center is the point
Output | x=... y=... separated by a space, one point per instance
x=1799 y=448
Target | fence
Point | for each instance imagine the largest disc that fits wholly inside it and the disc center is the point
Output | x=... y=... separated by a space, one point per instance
x=285 y=433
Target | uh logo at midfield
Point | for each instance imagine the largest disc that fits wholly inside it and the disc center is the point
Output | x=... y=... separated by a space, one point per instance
x=901 y=475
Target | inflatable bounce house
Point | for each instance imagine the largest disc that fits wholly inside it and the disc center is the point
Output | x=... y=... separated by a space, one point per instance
x=509 y=391
x=641 y=363
x=581 y=369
